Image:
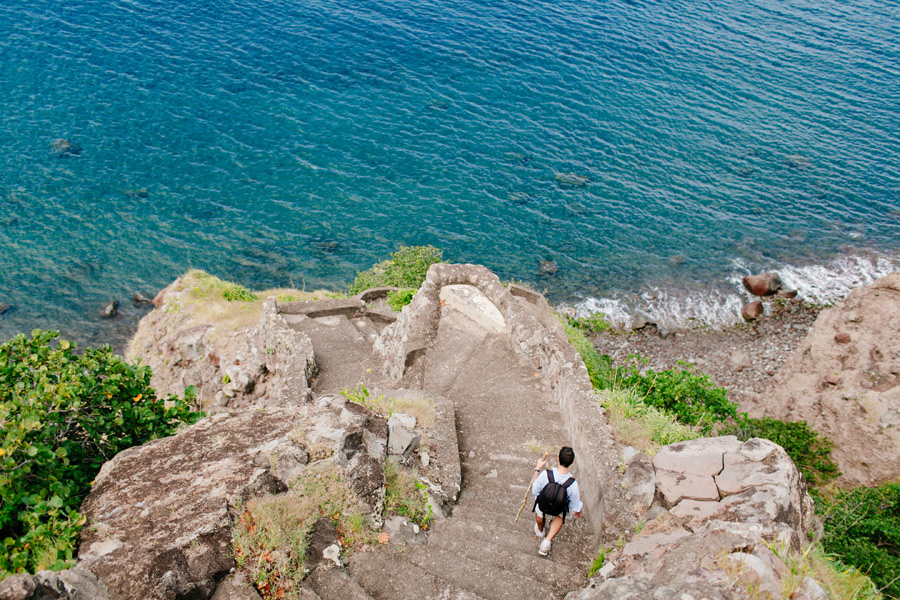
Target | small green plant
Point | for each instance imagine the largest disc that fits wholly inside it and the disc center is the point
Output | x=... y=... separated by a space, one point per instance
x=862 y=529
x=405 y=495
x=62 y=415
x=599 y=366
x=594 y=323
x=238 y=293
x=271 y=535
x=406 y=268
x=636 y=423
x=598 y=562
x=810 y=451
x=360 y=395
x=397 y=300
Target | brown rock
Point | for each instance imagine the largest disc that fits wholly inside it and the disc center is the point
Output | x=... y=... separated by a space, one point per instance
x=787 y=294
x=139 y=299
x=764 y=284
x=832 y=379
x=842 y=338
x=4 y=308
x=752 y=310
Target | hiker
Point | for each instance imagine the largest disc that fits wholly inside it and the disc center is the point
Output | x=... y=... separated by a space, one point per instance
x=555 y=494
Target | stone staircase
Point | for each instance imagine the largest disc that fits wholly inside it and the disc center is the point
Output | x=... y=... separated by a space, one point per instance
x=504 y=421
x=479 y=552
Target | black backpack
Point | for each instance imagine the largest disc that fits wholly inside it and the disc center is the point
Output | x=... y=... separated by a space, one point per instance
x=554 y=497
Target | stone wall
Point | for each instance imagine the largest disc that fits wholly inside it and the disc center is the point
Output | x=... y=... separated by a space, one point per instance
x=540 y=340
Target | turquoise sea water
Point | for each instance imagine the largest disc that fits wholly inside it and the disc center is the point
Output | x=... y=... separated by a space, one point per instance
x=272 y=142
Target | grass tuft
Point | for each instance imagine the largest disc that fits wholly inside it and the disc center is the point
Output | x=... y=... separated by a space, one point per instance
x=640 y=425
x=405 y=495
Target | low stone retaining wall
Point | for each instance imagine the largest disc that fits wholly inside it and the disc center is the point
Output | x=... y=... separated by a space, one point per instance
x=534 y=334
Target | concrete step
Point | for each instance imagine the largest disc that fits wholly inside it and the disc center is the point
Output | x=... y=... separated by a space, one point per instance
x=574 y=545
x=456 y=342
x=386 y=575
x=335 y=584
x=560 y=575
x=483 y=578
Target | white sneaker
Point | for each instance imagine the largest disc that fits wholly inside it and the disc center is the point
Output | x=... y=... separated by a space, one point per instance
x=545 y=548
x=537 y=531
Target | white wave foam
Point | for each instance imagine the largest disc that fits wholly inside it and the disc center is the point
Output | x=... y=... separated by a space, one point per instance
x=679 y=308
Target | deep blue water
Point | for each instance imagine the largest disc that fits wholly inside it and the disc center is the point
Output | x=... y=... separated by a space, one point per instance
x=302 y=141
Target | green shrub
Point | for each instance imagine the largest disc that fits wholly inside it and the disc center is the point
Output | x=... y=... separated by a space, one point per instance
x=810 y=451
x=61 y=416
x=405 y=495
x=397 y=300
x=238 y=293
x=595 y=322
x=406 y=268
x=688 y=395
x=598 y=562
x=862 y=528
x=599 y=366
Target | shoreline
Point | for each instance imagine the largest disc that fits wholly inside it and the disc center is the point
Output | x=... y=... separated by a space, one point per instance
x=743 y=358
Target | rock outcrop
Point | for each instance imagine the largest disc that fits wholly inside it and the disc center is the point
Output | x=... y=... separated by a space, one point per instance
x=159 y=515
x=843 y=381
x=728 y=503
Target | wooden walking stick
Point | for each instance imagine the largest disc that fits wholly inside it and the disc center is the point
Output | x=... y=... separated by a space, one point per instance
x=527 y=491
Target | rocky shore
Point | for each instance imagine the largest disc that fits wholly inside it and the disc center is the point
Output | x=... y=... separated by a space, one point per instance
x=742 y=358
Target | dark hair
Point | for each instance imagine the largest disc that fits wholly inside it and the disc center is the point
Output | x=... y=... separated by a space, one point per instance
x=566 y=456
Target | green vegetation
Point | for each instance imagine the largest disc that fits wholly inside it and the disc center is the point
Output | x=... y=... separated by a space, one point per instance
x=690 y=396
x=420 y=407
x=636 y=423
x=62 y=415
x=862 y=528
x=397 y=300
x=595 y=322
x=405 y=495
x=598 y=562
x=238 y=293
x=272 y=533
x=810 y=451
x=599 y=366
x=406 y=268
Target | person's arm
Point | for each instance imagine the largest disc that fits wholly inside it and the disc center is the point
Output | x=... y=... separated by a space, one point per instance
x=538 y=469
x=575 y=499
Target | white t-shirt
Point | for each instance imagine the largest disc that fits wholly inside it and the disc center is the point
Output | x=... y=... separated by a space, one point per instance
x=575 y=503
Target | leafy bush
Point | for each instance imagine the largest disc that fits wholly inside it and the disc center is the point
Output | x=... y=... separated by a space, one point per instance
x=61 y=416
x=690 y=396
x=397 y=300
x=406 y=268
x=405 y=495
x=810 y=451
x=238 y=293
x=862 y=528
x=271 y=535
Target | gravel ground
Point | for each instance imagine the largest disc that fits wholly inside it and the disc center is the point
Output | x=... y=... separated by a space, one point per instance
x=742 y=358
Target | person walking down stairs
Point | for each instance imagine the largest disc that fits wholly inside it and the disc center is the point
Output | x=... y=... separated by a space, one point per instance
x=555 y=494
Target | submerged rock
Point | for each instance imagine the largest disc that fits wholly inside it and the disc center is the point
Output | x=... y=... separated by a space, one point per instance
x=64 y=148
x=4 y=308
x=571 y=180
x=109 y=310
x=139 y=299
x=548 y=267
x=141 y=193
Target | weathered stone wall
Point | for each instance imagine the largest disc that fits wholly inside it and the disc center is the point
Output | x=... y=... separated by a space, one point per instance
x=288 y=355
x=535 y=335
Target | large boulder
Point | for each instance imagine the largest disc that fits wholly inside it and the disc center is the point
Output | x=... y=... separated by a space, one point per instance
x=77 y=583
x=159 y=515
x=844 y=380
x=764 y=284
x=731 y=502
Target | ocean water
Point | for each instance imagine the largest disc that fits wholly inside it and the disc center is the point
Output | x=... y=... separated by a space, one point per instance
x=275 y=142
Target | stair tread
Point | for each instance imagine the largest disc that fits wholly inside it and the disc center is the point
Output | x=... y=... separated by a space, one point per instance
x=386 y=575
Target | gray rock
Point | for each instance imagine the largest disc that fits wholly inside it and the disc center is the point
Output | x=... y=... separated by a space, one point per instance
x=109 y=310
x=641 y=320
x=640 y=481
x=810 y=589
x=236 y=587
x=548 y=267
x=17 y=587
x=401 y=441
x=77 y=583
x=139 y=299
x=739 y=361
x=402 y=531
x=4 y=308
x=63 y=148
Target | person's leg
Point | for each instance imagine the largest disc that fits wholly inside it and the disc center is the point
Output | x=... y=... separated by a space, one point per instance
x=555 y=526
x=540 y=522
